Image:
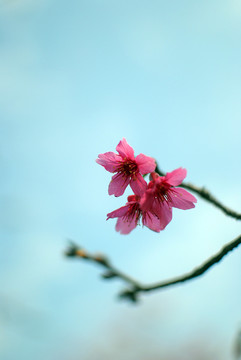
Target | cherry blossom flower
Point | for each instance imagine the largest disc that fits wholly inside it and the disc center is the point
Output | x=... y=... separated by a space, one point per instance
x=129 y=216
x=128 y=168
x=161 y=195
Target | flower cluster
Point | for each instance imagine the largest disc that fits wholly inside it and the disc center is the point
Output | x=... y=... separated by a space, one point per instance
x=152 y=202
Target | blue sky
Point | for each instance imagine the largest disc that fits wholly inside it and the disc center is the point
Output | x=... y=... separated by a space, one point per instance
x=76 y=78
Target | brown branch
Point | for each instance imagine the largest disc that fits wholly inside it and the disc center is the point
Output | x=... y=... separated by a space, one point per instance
x=112 y=272
x=135 y=287
x=206 y=195
x=200 y=269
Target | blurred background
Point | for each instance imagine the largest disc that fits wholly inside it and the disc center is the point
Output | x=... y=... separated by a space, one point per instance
x=75 y=78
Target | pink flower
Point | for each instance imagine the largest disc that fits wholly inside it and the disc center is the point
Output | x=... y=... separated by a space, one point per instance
x=128 y=169
x=161 y=195
x=129 y=216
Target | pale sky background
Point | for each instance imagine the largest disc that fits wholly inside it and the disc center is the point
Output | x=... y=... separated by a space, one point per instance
x=75 y=78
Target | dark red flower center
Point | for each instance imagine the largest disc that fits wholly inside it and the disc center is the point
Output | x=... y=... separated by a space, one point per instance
x=162 y=192
x=127 y=167
x=134 y=212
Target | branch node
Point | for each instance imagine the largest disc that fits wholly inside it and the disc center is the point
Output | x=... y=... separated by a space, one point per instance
x=130 y=295
x=71 y=250
x=102 y=259
x=109 y=275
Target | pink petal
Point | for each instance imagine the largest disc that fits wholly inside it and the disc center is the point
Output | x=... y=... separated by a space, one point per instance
x=182 y=199
x=147 y=200
x=154 y=176
x=151 y=221
x=146 y=164
x=122 y=211
x=118 y=184
x=176 y=176
x=185 y=194
x=124 y=226
x=125 y=150
x=109 y=160
x=164 y=212
x=138 y=185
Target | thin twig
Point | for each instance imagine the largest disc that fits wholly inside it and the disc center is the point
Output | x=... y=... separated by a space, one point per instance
x=112 y=272
x=134 y=286
x=200 y=269
x=206 y=195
